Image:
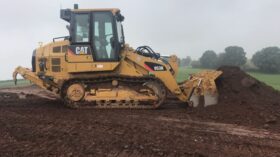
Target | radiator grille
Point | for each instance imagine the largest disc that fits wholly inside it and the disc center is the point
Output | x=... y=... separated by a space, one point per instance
x=56 y=65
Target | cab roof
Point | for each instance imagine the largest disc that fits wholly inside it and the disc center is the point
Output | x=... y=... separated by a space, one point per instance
x=113 y=10
x=65 y=14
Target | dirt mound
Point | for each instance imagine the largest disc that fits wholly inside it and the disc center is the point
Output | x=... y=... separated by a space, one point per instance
x=243 y=100
x=235 y=86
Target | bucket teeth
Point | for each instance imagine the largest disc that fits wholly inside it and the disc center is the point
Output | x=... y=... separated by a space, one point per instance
x=210 y=99
x=15 y=76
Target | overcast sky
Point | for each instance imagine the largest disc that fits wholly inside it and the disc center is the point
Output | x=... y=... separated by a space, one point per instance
x=181 y=27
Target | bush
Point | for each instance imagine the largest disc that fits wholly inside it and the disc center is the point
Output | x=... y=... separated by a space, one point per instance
x=268 y=60
x=196 y=64
x=233 y=56
x=209 y=59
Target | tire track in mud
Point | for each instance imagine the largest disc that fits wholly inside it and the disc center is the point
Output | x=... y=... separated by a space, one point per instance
x=239 y=140
x=221 y=128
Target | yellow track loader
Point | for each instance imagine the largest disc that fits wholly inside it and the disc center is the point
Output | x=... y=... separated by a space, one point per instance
x=94 y=67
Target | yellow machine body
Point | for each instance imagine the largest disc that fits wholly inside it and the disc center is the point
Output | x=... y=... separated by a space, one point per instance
x=122 y=77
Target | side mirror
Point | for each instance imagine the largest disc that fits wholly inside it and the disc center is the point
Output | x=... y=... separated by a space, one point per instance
x=65 y=14
x=119 y=17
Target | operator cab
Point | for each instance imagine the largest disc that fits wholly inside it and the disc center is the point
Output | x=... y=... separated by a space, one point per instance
x=96 y=32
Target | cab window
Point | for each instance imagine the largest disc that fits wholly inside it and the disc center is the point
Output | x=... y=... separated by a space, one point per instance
x=81 y=28
x=103 y=36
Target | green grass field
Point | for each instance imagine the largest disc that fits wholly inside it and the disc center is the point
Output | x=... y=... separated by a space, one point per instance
x=10 y=83
x=184 y=73
x=270 y=79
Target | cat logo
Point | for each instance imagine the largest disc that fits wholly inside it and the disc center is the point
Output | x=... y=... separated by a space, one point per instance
x=82 y=50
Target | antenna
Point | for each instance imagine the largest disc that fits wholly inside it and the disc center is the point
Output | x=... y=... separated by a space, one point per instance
x=76 y=6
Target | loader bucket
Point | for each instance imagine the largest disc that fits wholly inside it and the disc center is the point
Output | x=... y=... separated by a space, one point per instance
x=202 y=84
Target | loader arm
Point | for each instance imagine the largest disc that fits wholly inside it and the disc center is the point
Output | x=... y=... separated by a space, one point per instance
x=199 y=84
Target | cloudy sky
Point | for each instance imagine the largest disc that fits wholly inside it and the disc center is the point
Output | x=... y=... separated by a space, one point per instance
x=181 y=27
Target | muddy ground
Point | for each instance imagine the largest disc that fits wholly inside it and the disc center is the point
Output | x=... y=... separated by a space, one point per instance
x=34 y=123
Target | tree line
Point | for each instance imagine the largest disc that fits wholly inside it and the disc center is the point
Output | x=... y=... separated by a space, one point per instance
x=266 y=60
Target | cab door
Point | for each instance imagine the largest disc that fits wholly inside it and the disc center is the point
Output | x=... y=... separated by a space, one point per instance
x=104 y=37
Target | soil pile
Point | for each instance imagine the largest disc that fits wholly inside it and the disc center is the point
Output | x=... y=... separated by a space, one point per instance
x=243 y=100
x=235 y=86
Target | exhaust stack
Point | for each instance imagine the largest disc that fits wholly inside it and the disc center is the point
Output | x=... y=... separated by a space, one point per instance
x=76 y=6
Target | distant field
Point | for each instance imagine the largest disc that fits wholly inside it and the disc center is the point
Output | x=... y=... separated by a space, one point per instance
x=184 y=72
x=270 y=79
x=10 y=83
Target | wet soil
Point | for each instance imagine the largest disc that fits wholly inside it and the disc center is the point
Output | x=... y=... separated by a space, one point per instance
x=244 y=123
